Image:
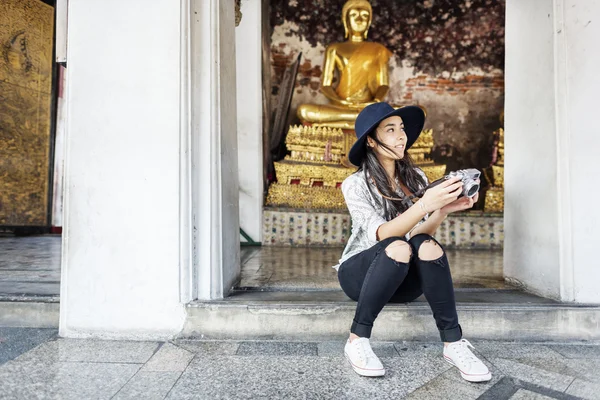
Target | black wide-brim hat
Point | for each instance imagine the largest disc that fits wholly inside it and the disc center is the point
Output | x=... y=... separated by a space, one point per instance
x=370 y=117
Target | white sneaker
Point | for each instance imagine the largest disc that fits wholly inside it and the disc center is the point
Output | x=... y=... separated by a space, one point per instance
x=361 y=357
x=471 y=368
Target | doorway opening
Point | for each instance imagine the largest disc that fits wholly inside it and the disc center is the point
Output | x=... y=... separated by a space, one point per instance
x=31 y=130
x=448 y=59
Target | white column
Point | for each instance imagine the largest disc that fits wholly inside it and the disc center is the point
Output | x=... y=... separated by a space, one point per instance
x=531 y=239
x=579 y=141
x=121 y=246
x=551 y=221
x=214 y=147
x=248 y=42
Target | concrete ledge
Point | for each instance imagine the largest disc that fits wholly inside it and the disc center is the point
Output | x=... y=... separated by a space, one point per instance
x=29 y=314
x=318 y=321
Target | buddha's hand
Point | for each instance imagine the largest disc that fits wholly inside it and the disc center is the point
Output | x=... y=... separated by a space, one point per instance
x=441 y=195
x=360 y=106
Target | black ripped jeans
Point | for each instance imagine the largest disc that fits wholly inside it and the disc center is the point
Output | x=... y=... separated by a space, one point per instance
x=373 y=279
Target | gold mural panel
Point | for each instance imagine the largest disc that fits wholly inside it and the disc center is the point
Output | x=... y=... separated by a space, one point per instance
x=26 y=39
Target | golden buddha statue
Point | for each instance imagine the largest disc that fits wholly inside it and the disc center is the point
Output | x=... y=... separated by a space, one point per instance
x=362 y=68
x=310 y=176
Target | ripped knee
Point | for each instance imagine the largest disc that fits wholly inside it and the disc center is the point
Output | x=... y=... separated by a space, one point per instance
x=430 y=251
x=399 y=251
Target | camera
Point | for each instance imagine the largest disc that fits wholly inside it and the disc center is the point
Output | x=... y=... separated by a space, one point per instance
x=468 y=177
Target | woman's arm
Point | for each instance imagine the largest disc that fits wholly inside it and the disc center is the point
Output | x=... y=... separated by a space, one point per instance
x=435 y=220
x=431 y=225
x=402 y=224
x=434 y=199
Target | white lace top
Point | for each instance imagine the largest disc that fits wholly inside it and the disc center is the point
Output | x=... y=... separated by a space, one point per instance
x=366 y=215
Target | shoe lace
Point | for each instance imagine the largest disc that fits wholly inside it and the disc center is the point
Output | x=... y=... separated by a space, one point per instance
x=365 y=350
x=463 y=352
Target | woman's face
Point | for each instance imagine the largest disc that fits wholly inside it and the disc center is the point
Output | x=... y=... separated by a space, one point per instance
x=390 y=132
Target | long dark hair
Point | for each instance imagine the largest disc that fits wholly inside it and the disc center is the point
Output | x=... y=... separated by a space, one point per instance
x=406 y=173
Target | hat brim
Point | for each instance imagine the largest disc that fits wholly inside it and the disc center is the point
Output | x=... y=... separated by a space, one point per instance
x=413 y=118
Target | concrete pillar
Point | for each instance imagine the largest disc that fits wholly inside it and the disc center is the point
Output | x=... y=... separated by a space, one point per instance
x=551 y=222
x=248 y=42
x=151 y=195
x=214 y=155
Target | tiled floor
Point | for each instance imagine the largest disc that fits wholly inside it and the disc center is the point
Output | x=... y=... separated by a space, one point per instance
x=30 y=267
x=293 y=268
x=194 y=369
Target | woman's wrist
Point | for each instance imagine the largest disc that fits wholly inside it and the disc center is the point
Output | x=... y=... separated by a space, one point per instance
x=443 y=212
x=423 y=207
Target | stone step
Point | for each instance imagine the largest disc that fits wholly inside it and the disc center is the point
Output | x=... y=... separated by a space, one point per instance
x=31 y=312
x=326 y=315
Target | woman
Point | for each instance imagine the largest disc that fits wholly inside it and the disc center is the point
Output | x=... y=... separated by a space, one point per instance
x=391 y=255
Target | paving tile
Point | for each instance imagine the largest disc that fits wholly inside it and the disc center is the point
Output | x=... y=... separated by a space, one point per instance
x=419 y=349
x=267 y=348
x=524 y=394
x=584 y=389
x=443 y=389
x=557 y=366
x=148 y=385
x=169 y=358
x=534 y=375
x=208 y=347
x=492 y=349
x=336 y=349
x=299 y=378
x=16 y=341
x=577 y=351
x=588 y=369
x=84 y=350
x=63 y=380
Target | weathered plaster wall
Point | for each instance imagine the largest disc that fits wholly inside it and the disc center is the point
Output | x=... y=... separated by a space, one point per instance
x=448 y=57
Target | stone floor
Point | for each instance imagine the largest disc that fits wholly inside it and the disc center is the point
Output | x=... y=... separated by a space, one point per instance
x=186 y=369
x=293 y=268
x=30 y=268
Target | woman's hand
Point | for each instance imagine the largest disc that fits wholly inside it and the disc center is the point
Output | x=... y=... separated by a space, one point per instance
x=464 y=203
x=441 y=195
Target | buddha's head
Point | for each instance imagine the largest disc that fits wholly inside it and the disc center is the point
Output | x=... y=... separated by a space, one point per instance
x=356 y=17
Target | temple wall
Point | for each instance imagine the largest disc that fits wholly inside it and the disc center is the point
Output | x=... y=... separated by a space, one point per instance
x=551 y=223
x=448 y=58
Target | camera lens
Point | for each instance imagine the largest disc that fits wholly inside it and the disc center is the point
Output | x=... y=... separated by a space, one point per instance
x=471 y=189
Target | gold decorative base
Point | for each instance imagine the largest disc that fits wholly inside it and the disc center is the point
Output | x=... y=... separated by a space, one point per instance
x=433 y=172
x=315 y=144
x=294 y=173
x=305 y=197
x=498 y=171
x=494 y=200
x=310 y=177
